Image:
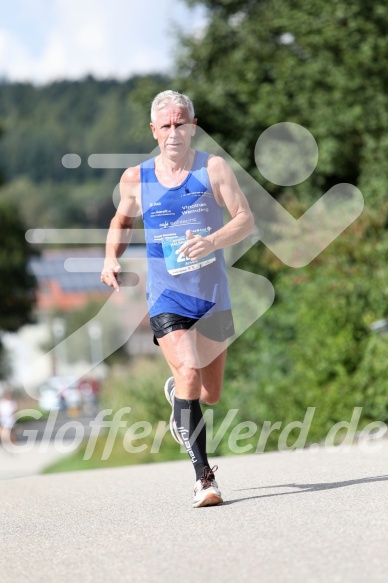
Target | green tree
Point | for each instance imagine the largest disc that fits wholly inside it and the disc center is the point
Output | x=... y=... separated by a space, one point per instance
x=17 y=284
x=320 y=64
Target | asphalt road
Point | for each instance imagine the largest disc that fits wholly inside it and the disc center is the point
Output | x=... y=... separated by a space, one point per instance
x=299 y=517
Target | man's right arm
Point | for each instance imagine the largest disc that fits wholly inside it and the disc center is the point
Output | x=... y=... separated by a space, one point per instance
x=121 y=225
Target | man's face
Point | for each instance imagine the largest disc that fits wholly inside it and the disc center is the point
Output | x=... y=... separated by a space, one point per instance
x=173 y=130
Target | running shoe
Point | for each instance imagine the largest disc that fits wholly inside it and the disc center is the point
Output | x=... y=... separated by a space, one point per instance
x=206 y=491
x=169 y=391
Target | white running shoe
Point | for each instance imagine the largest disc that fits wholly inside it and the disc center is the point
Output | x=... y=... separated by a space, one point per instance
x=169 y=391
x=206 y=491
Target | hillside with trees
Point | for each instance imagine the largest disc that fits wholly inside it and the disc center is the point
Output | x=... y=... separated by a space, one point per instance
x=321 y=64
x=42 y=124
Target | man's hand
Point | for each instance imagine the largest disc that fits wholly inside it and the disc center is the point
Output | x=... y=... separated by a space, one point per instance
x=196 y=247
x=110 y=272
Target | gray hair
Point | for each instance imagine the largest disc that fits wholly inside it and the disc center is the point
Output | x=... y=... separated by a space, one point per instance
x=166 y=97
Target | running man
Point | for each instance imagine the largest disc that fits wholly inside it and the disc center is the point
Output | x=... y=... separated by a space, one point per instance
x=181 y=195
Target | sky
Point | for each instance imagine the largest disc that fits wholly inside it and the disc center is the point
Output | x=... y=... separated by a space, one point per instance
x=46 y=40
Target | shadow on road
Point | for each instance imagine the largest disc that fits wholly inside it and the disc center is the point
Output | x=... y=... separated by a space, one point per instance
x=305 y=488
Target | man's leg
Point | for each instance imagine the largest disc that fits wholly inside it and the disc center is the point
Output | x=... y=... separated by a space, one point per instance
x=212 y=373
x=191 y=382
x=179 y=350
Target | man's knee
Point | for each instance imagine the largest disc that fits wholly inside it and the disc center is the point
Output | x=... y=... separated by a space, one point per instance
x=210 y=399
x=189 y=376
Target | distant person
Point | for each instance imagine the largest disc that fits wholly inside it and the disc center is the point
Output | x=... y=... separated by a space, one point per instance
x=89 y=388
x=7 y=410
x=181 y=195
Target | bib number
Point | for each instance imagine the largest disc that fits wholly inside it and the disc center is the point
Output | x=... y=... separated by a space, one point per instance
x=178 y=263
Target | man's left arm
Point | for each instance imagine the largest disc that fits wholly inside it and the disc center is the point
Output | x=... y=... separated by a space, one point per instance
x=227 y=193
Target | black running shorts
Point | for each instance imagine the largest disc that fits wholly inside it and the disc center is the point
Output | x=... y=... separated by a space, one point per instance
x=219 y=326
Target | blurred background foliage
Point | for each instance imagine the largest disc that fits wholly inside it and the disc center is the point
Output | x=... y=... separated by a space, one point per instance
x=42 y=124
x=321 y=64
x=17 y=285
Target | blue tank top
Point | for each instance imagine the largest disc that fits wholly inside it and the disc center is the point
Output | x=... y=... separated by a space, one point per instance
x=175 y=284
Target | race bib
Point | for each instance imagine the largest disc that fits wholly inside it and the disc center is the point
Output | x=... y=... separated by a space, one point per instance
x=177 y=263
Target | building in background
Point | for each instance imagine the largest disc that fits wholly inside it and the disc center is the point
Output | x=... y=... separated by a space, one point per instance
x=69 y=279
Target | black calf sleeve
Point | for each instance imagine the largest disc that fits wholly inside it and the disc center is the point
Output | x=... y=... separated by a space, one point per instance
x=191 y=427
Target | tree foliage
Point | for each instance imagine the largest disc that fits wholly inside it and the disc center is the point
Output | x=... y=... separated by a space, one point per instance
x=320 y=64
x=42 y=124
x=17 y=283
